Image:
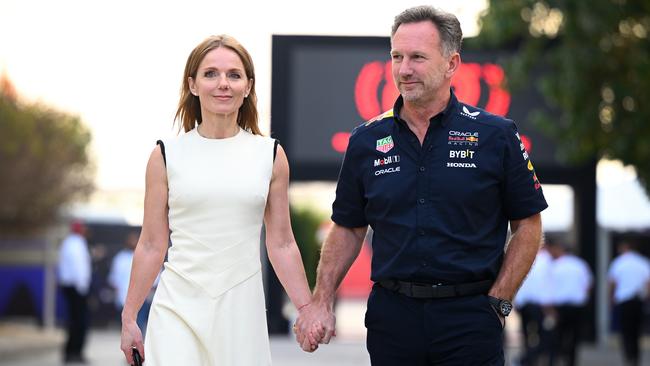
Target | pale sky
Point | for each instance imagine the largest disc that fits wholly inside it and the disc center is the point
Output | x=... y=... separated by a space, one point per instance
x=118 y=64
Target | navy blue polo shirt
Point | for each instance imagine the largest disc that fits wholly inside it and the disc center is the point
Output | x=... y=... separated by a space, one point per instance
x=440 y=210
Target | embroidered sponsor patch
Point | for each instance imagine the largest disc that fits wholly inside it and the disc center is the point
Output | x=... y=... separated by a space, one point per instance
x=461 y=154
x=386 y=144
x=463 y=138
x=536 y=181
x=461 y=165
x=387 y=160
x=524 y=153
x=469 y=114
x=529 y=164
x=387 y=170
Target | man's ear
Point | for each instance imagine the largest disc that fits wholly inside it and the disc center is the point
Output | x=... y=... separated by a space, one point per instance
x=454 y=64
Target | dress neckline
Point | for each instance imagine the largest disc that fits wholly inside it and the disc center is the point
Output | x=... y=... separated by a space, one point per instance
x=196 y=132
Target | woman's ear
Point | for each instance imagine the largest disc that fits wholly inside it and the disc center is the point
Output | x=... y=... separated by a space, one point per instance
x=192 y=85
x=249 y=87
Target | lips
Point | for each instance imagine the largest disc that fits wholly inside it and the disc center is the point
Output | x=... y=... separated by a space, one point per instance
x=223 y=97
x=408 y=84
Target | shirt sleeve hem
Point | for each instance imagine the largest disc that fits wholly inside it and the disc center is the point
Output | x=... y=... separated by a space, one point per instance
x=527 y=213
x=347 y=222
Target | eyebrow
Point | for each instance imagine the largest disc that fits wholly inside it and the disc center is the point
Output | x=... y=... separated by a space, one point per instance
x=210 y=68
x=415 y=52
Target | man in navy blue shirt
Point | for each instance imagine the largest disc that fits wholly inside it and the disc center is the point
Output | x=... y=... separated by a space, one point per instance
x=438 y=181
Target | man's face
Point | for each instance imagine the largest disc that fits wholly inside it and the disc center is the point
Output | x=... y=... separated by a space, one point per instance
x=419 y=68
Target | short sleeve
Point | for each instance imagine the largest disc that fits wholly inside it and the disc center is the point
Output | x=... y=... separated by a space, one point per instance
x=523 y=196
x=646 y=274
x=349 y=204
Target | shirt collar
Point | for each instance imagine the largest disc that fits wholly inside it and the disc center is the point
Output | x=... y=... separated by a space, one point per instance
x=445 y=115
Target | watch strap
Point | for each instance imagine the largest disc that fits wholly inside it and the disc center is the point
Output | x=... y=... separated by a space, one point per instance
x=498 y=305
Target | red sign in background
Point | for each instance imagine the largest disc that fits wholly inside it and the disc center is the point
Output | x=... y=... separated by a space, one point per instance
x=375 y=92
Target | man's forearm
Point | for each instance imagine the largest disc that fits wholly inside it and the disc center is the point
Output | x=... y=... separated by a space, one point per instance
x=520 y=255
x=339 y=251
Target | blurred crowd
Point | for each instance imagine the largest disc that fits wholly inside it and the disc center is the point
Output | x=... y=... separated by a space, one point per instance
x=74 y=280
x=553 y=303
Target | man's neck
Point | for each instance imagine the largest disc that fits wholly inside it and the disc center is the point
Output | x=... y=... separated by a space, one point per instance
x=419 y=113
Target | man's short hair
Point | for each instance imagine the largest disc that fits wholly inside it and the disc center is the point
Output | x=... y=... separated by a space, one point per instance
x=627 y=243
x=451 y=36
x=558 y=241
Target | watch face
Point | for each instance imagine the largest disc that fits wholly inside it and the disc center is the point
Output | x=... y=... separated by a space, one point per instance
x=506 y=307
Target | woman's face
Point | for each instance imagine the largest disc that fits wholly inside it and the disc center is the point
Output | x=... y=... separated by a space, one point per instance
x=221 y=82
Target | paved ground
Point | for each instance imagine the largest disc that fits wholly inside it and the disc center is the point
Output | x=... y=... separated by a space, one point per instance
x=103 y=350
x=26 y=345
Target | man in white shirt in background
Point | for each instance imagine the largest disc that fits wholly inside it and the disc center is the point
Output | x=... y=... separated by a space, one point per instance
x=74 y=280
x=120 y=272
x=531 y=300
x=571 y=281
x=120 y=275
x=629 y=279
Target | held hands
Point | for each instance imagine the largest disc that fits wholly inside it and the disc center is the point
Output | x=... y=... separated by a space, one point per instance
x=131 y=337
x=315 y=324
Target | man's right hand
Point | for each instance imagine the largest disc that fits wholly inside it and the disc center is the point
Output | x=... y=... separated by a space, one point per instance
x=315 y=324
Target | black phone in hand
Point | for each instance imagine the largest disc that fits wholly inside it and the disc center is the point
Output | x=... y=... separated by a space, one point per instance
x=137 y=359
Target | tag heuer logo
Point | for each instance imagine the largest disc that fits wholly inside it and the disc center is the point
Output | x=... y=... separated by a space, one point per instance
x=384 y=145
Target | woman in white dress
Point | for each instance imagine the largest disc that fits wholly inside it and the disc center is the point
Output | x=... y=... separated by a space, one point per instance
x=212 y=188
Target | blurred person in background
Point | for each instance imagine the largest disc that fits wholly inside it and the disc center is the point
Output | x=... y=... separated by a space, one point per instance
x=571 y=281
x=439 y=182
x=75 y=274
x=531 y=300
x=120 y=274
x=213 y=187
x=629 y=280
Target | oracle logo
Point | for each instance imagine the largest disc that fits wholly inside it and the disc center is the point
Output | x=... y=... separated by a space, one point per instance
x=375 y=92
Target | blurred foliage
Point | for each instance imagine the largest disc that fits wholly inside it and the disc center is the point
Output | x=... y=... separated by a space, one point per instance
x=595 y=57
x=44 y=163
x=306 y=224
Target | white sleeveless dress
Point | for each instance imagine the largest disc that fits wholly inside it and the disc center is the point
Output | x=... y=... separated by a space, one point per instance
x=209 y=306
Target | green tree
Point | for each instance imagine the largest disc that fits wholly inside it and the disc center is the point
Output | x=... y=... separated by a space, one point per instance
x=44 y=163
x=306 y=223
x=596 y=61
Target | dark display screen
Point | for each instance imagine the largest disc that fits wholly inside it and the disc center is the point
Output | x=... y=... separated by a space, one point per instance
x=323 y=87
